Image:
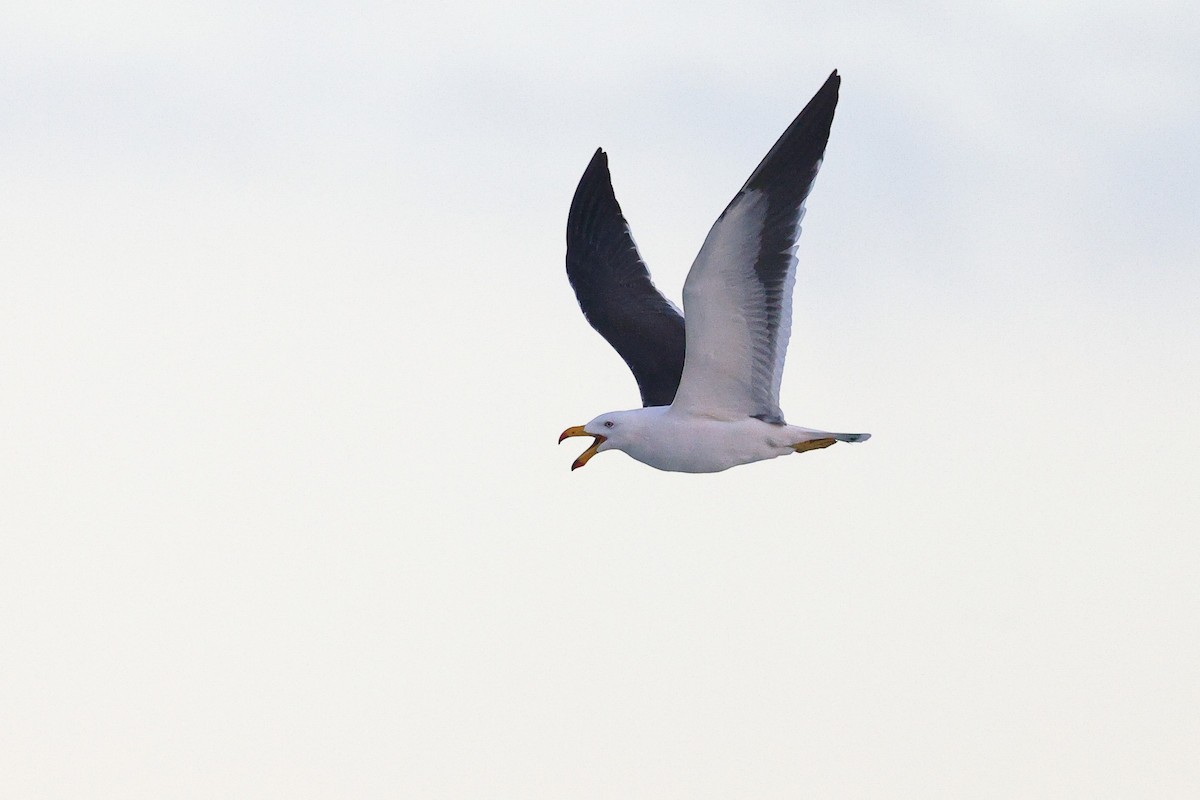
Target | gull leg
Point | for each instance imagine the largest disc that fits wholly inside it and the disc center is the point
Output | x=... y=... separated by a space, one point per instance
x=814 y=444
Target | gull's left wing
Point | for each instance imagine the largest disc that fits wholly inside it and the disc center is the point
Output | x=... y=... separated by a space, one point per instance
x=738 y=294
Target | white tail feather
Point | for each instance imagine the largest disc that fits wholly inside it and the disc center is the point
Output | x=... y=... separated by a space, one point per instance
x=808 y=435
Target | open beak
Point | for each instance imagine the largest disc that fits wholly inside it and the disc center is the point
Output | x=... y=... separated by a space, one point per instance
x=586 y=455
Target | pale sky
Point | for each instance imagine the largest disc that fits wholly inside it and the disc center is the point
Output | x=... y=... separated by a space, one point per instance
x=286 y=344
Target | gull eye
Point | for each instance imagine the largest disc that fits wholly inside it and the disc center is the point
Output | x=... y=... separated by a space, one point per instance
x=608 y=423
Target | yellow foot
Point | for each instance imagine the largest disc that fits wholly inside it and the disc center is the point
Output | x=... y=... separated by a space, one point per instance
x=815 y=444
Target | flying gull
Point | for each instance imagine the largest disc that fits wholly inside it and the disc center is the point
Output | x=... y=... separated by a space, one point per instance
x=710 y=387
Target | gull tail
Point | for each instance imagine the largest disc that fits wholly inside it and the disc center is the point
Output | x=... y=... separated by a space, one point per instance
x=816 y=440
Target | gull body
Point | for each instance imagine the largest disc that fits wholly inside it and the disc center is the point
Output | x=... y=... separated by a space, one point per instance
x=673 y=441
x=710 y=386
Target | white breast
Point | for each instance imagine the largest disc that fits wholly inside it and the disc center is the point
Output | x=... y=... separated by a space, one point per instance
x=682 y=443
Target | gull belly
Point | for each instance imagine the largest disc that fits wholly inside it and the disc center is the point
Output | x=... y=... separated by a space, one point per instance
x=678 y=442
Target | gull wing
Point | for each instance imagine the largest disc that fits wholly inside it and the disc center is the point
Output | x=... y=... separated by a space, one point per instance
x=738 y=294
x=614 y=289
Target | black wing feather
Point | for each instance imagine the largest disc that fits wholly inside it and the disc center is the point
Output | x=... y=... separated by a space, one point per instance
x=614 y=289
x=785 y=176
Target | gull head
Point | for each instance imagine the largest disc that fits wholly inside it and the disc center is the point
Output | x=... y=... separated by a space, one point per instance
x=609 y=431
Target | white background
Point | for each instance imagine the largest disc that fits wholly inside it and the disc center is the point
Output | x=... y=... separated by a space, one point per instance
x=286 y=343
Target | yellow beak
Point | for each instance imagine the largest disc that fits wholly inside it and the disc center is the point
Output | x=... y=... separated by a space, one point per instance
x=586 y=455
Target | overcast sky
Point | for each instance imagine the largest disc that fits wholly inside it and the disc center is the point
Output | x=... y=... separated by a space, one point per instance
x=286 y=343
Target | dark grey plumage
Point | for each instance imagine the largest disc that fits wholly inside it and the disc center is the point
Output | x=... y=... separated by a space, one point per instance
x=614 y=288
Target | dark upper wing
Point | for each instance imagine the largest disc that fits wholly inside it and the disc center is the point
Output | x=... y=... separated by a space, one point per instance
x=614 y=288
x=738 y=294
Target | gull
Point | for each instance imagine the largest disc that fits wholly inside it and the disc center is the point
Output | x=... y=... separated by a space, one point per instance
x=709 y=376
